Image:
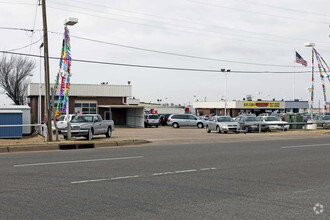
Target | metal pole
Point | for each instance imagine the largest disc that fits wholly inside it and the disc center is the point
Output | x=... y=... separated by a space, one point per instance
x=67 y=118
x=226 y=94
x=46 y=63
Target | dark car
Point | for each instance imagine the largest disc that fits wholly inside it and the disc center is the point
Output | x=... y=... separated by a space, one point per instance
x=251 y=123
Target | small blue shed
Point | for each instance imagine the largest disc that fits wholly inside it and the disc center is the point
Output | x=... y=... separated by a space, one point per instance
x=11 y=117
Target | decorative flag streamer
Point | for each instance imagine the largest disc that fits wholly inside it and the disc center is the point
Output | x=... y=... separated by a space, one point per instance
x=63 y=74
x=322 y=78
x=312 y=89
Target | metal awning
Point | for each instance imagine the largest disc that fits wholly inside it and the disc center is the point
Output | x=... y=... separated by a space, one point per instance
x=120 y=106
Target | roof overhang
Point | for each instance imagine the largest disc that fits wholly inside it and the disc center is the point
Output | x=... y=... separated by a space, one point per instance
x=120 y=106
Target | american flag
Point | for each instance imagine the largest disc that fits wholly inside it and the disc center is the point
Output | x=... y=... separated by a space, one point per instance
x=300 y=60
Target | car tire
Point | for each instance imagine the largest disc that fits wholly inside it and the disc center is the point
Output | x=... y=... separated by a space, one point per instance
x=208 y=130
x=108 y=134
x=218 y=130
x=65 y=137
x=90 y=135
x=225 y=132
x=156 y=126
x=175 y=125
x=200 y=125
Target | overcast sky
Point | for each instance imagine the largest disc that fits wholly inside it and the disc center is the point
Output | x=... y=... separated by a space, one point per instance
x=256 y=31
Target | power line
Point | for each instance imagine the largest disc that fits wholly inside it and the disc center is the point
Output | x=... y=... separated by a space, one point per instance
x=160 y=52
x=34 y=24
x=174 y=54
x=256 y=12
x=287 y=9
x=190 y=22
x=155 y=67
x=17 y=29
x=29 y=45
x=269 y=41
x=16 y=3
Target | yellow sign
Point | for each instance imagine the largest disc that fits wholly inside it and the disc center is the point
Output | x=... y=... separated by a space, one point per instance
x=261 y=105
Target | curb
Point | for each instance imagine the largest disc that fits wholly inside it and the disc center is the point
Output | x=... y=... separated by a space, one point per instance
x=46 y=147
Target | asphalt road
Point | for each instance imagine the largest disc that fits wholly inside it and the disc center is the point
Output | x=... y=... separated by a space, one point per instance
x=242 y=180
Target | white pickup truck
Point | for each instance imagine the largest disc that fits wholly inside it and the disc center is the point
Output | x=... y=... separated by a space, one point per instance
x=88 y=125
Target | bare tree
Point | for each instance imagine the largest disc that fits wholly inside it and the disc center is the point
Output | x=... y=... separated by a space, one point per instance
x=15 y=76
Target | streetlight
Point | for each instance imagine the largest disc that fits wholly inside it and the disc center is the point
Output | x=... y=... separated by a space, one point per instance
x=226 y=73
x=69 y=22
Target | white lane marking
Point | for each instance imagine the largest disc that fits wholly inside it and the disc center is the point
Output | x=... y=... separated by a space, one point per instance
x=311 y=145
x=185 y=171
x=77 y=161
x=99 y=180
x=203 y=169
x=154 y=174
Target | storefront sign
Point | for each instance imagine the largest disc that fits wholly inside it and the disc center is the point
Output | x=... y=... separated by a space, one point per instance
x=261 y=105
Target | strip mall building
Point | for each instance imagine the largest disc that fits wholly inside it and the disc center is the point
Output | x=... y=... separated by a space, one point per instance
x=234 y=108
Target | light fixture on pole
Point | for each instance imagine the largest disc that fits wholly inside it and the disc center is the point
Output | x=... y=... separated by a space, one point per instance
x=226 y=73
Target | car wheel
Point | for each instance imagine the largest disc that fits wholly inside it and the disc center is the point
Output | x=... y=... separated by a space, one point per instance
x=175 y=125
x=225 y=132
x=218 y=129
x=90 y=135
x=108 y=134
x=208 y=129
x=65 y=137
x=200 y=125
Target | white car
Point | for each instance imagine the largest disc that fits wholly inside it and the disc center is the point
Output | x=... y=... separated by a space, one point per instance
x=275 y=123
x=222 y=124
x=62 y=122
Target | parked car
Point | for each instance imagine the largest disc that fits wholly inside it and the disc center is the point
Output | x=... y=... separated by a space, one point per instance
x=62 y=122
x=178 y=120
x=326 y=121
x=151 y=120
x=222 y=124
x=251 y=123
x=88 y=125
x=275 y=123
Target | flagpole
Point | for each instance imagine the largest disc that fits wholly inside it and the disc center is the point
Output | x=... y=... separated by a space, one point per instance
x=294 y=74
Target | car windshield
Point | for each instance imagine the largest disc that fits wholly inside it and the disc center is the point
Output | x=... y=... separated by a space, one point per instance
x=272 y=119
x=61 y=118
x=224 y=119
x=82 y=118
x=252 y=119
x=153 y=116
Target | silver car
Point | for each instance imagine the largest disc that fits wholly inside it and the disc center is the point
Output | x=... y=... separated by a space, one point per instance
x=178 y=120
x=222 y=124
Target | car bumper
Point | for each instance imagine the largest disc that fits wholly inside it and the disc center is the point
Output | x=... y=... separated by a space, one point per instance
x=75 y=133
x=278 y=127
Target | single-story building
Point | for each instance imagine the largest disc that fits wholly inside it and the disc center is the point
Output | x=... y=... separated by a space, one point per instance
x=110 y=101
x=234 y=108
x=26 y=116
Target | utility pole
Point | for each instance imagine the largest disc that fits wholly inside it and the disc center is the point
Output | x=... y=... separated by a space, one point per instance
x=46 y=64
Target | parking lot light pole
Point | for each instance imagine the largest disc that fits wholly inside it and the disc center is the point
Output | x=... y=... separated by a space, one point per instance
x=226 y=74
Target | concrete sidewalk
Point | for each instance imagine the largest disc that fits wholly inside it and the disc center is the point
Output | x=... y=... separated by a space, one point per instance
x=159 y=136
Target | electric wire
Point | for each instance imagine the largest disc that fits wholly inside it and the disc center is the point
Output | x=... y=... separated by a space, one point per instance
x=158 y=67
x=257 y=12
x=170 y=53
x=190 y=22
x=274 y=44
x=287 y=9
x=34 y=24
x=182 y=26
x=29 y=45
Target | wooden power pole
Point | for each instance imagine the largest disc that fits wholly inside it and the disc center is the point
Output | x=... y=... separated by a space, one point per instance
x=46 y=63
